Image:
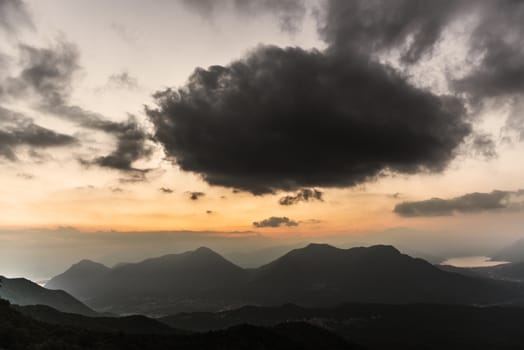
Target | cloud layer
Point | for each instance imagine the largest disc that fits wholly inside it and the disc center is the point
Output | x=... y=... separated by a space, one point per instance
x=468 y=203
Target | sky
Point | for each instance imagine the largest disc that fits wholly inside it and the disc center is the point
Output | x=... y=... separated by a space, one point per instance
x=131 y=129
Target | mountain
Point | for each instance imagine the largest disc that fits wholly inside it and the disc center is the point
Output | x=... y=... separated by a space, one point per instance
x=199 y=279
x=512 y=253
x=24 y=292
x=321 y=274
x=315 y=275
x=20 y=332
x=79 y=278
x=379 y=326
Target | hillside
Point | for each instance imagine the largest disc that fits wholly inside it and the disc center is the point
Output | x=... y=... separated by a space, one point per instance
x=24 y=292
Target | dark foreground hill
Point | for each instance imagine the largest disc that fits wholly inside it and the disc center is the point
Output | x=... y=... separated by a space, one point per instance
x=316 y=275
x=378 y=326
x=135 y=324
x=19 y=332
x=24 y=292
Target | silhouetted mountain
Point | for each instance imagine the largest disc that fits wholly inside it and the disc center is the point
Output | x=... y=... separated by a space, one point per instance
x=316 y=275
x=320 y=274
x=79 y=278
x=512 y=253
x=194 y=280
x=24 y=292
x=376 y=326
x=135 y=324
x=19 y=332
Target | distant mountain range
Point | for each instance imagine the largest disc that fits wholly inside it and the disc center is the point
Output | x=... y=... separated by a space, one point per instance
x=316 y=275
x=24 y=292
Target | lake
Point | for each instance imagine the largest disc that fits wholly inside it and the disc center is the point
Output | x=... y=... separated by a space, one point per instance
x=472 y=261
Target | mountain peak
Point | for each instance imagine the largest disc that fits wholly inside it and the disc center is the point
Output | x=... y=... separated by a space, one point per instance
x=383 y=248
x=319 y=246
x=204 y=250
x=88 y=263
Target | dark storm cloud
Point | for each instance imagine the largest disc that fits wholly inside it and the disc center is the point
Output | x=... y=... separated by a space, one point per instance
x=48 y=74
x=14 y=16
x=497 y=42
x=303 y=195
x=415 y=27
x=18 y=130
x=284 y=119
x=468 y=203
x=370 y=26
x=288 y=12
x=275 y=221
x=194 y=196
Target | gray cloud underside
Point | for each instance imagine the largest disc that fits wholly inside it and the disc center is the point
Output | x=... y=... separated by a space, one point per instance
x=14 y=16
x=48 y=74
x=468 y=203
x=18 y=130
x=288 y=12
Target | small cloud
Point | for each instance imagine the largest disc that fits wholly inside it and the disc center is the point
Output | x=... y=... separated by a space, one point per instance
x=166 y=190
x=209 y=212
x=25 y=176
x=120 y=81
x=311 y=221
x=194 y=196
x=303 y=195
x=275 y=221
x=116 y=189
x=125 y=33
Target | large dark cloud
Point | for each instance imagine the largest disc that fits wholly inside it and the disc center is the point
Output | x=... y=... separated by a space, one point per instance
x=303 y=195
x=288 y=12
x=283 y=119
x=275 y=221
x=48 y=74
x=468 y=203
x=18 y=130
